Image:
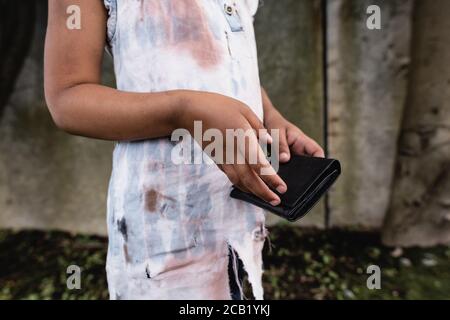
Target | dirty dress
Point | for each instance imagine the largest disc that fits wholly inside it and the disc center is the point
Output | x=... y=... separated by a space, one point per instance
x=170 y=226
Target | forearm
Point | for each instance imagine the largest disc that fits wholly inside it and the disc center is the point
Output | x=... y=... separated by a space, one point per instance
x=97 y=111
x=77 y=101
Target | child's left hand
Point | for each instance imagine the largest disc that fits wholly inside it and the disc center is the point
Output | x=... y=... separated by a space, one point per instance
x=292 y=139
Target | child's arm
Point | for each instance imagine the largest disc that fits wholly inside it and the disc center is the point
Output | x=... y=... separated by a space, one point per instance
x=77 y=102
x=291 y=137
x=80 y=105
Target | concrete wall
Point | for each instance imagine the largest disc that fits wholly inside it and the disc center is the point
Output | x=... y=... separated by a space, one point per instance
x=48 y=179
x=420 y=202
x=367 y=83
x=290 y=48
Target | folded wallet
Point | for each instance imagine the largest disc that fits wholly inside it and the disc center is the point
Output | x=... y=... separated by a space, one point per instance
x=307 y=179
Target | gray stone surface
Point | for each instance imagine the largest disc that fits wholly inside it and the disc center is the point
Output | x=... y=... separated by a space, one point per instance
x=367 y=81
x=420 y=207
x=48 y=179
x=289 y=35
x=51 y=180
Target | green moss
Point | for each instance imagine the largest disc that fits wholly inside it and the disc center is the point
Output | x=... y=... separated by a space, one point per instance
x=33 y=265
x=332 y=265
x=303 y=264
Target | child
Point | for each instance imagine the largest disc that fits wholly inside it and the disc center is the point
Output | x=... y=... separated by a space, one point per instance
x=176 y=61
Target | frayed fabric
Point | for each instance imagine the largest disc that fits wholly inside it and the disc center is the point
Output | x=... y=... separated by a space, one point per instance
x=170 y=240
x=250 y=252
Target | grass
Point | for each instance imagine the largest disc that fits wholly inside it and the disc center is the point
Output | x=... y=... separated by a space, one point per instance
x=303 y=264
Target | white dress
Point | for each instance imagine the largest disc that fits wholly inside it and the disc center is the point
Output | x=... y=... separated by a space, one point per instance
x=170 y=225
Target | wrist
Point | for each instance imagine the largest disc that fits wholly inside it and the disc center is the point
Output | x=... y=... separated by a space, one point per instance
x=271 y=114
x=182 y=103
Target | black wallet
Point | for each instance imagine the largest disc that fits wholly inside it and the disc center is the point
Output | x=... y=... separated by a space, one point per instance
x=307 y=179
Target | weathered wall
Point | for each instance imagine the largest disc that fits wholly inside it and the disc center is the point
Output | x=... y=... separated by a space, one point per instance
x=367 y=87
x=420 y=209
x=51 y=180
x=48 y=179
x=289 y=36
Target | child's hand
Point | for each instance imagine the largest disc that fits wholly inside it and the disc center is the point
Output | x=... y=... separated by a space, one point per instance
x=222 y=113
x=292 y=139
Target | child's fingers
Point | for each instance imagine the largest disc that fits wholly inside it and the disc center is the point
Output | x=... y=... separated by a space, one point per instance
x=248 y=179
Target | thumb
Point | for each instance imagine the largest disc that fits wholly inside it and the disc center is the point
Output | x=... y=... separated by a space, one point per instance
x=285 y=154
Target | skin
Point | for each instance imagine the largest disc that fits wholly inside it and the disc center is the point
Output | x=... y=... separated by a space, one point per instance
x=80 y=105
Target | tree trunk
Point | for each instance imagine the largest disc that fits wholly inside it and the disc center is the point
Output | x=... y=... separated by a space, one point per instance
x=420 y=206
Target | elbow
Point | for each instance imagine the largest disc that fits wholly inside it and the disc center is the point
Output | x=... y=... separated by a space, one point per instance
x=59 y=111
x=61 y=121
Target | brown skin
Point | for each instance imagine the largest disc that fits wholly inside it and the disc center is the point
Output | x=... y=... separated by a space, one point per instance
x=292 y=139
x=80 y=105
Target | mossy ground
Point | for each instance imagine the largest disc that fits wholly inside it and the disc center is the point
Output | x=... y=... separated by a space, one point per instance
x=303 y=264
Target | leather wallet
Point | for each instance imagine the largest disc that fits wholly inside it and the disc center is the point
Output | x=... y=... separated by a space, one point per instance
x=307 y=179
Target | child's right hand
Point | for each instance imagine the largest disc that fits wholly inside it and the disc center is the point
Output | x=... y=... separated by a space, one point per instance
x=220 y=112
